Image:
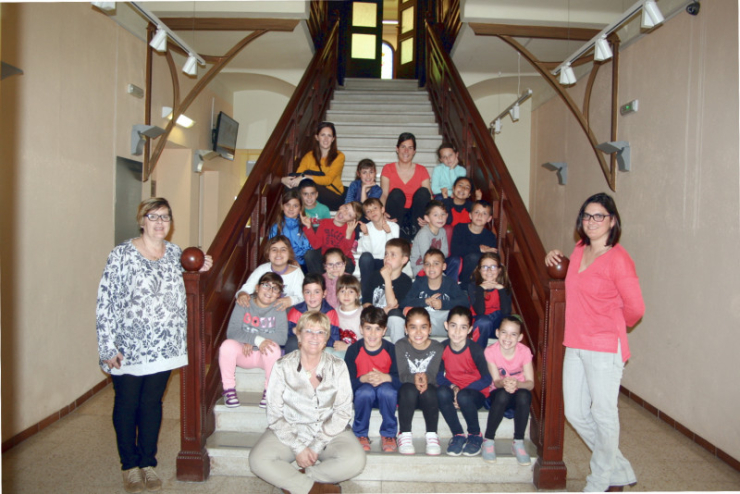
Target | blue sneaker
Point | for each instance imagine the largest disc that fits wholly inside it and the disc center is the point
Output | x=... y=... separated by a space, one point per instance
x=455 y=447
x=517 y=448
x=489 y=451
x=473 y=445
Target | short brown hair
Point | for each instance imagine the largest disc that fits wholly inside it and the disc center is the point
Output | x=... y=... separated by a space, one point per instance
x=357 y=207
x=402 y=244
x=270 y=277
x=148 y=205
x=349 y=281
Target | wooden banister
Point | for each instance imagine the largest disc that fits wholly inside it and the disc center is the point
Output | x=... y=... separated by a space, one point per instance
x=539 y=300
x=236 y=252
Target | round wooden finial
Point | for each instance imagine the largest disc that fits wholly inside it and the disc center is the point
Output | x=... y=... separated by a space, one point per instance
x=559 y=270
x=192 y=259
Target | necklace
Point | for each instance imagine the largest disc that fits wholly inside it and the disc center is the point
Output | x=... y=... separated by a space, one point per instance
x=280 y=272
x=309 y=372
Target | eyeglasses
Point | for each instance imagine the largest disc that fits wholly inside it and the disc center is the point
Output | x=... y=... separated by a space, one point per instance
x=334 y=265
x=270 y=286
x=598 y=217
x=491 y=267
x=314 y=332
x=154 y=217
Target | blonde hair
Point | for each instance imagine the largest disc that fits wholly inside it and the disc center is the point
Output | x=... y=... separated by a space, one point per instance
x=314 y=318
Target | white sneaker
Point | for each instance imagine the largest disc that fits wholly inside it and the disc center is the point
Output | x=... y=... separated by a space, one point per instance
x=405 y=444
x=433 y=447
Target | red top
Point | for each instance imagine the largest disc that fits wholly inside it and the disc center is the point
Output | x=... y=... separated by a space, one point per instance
x=602 y=301
x=408 y=188
x=365 y=363
x=329 y=235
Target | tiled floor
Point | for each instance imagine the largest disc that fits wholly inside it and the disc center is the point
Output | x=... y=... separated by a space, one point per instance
x=78 y=454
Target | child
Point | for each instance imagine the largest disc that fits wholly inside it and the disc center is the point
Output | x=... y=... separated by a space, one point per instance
x=464 y=383
x=459 y=205
x=312 y=208
x=364 y=186
x=374 y=375
x=510 y=364
x=373 y=237
x=432 y=235
x=490 y=299
x=289 y=224
x=279 y=253
x=254 y=336
x=418 y=359
x=314 y=291
x=446 y=172
x=334 y=265
x=348 y=311
x=338 y=232
x=470 y=240
x=435 y=291
x=388 y=286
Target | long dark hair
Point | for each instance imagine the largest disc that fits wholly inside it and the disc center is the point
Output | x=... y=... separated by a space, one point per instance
x=611 y=207
x=288 y=196
x=501 y=279
x=333 y=152
x=406 y=136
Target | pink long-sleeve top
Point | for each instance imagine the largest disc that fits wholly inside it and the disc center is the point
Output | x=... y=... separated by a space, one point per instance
x=602 y=301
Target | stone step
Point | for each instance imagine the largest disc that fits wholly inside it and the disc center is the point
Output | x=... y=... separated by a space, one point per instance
x=381 y=157
x=386 y=129
x=374 y=96
x=347 y=116
x=386 y=142
x=351 y=83
x=229 y=455
x=380 y=105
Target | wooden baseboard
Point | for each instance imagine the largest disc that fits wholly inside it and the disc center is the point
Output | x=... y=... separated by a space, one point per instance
x=36 y=428
x=734 y=463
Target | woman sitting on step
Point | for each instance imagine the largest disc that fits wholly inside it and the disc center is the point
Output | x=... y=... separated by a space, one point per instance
x=309 y=406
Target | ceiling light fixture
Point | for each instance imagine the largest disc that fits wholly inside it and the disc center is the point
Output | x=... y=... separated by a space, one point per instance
x=512 y=109
x=567 y=76
x=651 y=15
x=163 y=32
x=159 y=41
x=602 y=51
x=191 y=65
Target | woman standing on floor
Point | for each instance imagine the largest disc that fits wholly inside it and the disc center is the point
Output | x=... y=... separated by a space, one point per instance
x=603 y=298
x=141 y=325
x=324 y=165
x=406 y=188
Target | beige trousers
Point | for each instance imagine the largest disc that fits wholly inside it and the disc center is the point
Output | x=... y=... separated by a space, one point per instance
x=342 y=459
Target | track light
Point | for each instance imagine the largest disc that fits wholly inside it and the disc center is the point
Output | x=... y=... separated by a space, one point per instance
x=497 y=126
x=159 y=41
x=651 y=15
x=191 y=65
x=567 y=76
x=601 y=50
x=514 y=112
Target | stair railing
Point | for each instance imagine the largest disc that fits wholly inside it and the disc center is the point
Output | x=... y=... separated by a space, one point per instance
x=236 y=252
x=539 y=300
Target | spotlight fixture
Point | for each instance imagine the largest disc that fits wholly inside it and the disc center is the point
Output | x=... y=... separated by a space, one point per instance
x=201 y=155
x=191 y=65
x=139 y=134
x=182 y=120
x=622 y=148
x=514 y=112
x=497 y=126
x=561 y=167
x=601 y=50
x=512 y=109
x=651 y=15
x=159 y=41
x=567 y=76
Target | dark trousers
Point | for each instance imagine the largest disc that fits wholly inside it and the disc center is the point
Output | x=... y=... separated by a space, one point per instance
x=409 y=399
x=383 y=397
x=469 y=400
x=315 y=262
x=501 y=400
x=137 y=417
x=485 y=326
x=368 y=264
x=408 y=219
x=329 y=197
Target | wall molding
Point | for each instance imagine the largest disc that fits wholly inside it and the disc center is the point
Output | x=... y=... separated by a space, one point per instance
x=54 y=417
x=717 y=452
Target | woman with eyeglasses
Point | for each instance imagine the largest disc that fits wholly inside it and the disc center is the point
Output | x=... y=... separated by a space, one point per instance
x=406 y=188
x=603 y=298
x=309 y=406
x=141 y=326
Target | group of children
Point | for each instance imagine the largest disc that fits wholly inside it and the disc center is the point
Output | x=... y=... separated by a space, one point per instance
x=382 y=323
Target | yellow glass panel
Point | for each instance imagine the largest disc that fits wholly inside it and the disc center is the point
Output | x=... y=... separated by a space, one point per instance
x=363 y=46
x=407 y=51
x=364 y=14
x=407 y=20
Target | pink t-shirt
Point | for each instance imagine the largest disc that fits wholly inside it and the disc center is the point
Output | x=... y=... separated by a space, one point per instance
x=408 y=188
x=509 y=368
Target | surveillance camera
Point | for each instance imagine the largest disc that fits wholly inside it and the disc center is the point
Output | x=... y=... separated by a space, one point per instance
x=693 y=8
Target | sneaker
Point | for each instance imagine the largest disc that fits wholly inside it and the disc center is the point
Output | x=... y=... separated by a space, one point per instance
x=455 y=446
x=405 y=444
x=473 y=445
x=231 y=400
x=489 y=451
x=365 y=442
x=517 y=449
x=433 y=448
x=389 y=444
x=133 y=481
x=151 y=479
x=263 y=401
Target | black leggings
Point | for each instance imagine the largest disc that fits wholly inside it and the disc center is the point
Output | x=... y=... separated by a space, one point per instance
x=501 y=400
x=408 y=218
x=409 y=399
x=328 y=197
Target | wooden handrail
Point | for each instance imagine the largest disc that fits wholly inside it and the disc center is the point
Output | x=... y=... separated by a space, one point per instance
x=236 y=252
x=539 y=300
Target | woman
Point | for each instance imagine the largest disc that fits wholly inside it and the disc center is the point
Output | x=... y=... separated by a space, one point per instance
x=141 y=324
x=324 y=165
x=309 y=406
x=603 y=298
x=406 y=188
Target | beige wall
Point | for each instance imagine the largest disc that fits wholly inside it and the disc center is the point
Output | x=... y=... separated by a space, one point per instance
x=257 y=113
x=679 y=206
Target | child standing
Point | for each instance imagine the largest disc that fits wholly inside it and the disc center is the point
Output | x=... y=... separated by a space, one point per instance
x=445 y=173
x=338 y=232
x=464 y=383
x=348 y=310
x=470 y=241
x=458 y=204
x=432 y=235
x=334 y=265
x=373 y=238
x=490 y=299
x=388 y=286
x=510 y=364
x=312 y=208
x=418 y=359
x=314 y=291
x=253 y=337
x=289 y=225
x=374 y=375
x=364 y=186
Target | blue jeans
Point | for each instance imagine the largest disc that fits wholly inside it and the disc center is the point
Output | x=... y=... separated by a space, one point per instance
x=590 y=393
x=485 y=326
x=469 y=400
x=384 y=398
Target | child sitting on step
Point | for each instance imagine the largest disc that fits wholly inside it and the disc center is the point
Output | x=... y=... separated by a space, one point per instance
x=490 y=300
x=445 y=174
x=364 y=186
x=348 y=310
x=314 y=293
x=289 y=224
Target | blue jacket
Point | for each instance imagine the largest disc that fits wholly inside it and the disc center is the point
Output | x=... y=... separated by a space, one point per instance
x=354 y=192
x=294 y=231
